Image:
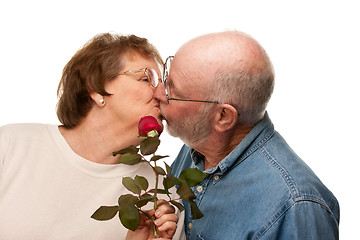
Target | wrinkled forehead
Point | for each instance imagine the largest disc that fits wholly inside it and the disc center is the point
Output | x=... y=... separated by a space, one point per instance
x=188 y=72
x=195 y=64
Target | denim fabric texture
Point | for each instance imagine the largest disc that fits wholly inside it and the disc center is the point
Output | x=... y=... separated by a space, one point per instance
x=261 y=190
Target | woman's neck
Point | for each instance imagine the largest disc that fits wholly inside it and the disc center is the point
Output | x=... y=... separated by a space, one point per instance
x=96 y=138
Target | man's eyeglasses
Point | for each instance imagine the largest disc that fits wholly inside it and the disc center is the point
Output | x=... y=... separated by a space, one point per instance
x=151 y=75
x=167 y=87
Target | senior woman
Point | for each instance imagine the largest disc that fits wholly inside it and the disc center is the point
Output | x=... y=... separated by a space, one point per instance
x=52 y=178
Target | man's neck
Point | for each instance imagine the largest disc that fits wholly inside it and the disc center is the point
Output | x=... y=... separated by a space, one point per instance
x=218 y=146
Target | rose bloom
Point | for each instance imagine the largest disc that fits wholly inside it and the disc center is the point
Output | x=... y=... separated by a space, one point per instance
x=147 y=124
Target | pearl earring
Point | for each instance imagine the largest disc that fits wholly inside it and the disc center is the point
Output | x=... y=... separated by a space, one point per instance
x=102 y=101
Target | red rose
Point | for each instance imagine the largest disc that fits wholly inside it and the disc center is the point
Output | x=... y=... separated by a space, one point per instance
x=147 y=124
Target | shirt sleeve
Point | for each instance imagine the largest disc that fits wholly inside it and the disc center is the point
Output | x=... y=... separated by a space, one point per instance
x=305 y=220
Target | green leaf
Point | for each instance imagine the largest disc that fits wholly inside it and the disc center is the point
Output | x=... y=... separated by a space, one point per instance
x=130 y=185
x=159 y=170
x=141 y=182
x=192 y=176
x=178 y=205
x=195 y=211
x=144 y=199
x=149 y=146
x=130 y=159
x=166 y=184
x=160 y=191
x=130 y=149
x=104 y=213
x=157 y=157
x=185 y=192
x=171 y=181
x=168 y=168
x=129 y=216
x=127 y=199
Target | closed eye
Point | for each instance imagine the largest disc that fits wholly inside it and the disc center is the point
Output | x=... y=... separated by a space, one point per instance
x=145 y=79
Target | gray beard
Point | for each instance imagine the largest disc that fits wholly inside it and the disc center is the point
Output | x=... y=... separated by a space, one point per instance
x=193 y=131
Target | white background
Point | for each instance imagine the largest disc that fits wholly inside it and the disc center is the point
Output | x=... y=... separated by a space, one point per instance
x=314 y=46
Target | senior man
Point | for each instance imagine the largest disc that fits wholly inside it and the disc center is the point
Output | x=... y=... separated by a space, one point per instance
x=214 y=98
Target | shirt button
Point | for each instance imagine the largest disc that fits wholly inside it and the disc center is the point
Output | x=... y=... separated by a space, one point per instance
x=216 y=177
x=199 y=188
x=190 y=226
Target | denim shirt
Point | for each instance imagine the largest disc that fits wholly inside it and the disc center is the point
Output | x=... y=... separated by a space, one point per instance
x=261 y=190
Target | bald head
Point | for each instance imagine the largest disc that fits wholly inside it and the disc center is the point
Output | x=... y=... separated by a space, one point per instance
x=221 y=51
x=235 y=68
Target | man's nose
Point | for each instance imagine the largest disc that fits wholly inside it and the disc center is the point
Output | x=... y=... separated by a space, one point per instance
x=159 y=93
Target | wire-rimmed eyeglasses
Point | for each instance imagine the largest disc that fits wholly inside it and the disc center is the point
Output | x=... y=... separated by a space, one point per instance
x=167 y=85
x=151 y=75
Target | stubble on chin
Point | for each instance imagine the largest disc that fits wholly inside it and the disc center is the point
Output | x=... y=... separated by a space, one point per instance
x=193 y=131
x=169 y=129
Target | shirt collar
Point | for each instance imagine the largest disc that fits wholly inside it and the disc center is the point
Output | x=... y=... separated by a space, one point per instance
x=260 y=134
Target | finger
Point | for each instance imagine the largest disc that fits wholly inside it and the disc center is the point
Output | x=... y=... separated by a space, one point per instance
x=167 y=218
x=166 y=224
x=151 y=212
x=161 y=201
x=168 y=227
x=164 y=209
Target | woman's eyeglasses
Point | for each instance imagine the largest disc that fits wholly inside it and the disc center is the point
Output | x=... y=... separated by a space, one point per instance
x=150 y=73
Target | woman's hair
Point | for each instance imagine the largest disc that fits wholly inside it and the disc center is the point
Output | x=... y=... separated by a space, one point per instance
x=96 y=63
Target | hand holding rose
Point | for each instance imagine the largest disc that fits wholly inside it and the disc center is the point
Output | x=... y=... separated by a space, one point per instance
x=165 y=222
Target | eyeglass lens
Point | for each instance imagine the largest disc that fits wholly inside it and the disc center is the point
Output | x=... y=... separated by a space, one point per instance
x=153 y=76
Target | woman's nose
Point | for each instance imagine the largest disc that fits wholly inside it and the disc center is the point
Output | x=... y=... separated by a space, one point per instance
x=159 y=93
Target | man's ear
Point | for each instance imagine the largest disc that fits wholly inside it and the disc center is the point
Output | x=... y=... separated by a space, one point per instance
x=98 y=99
x=226 y=117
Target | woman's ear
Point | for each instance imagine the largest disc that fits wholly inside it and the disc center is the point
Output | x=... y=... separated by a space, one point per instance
x=98 y=99
x=225 y=118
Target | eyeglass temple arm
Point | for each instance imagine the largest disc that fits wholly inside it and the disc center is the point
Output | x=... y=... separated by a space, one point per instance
x=193 y=100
